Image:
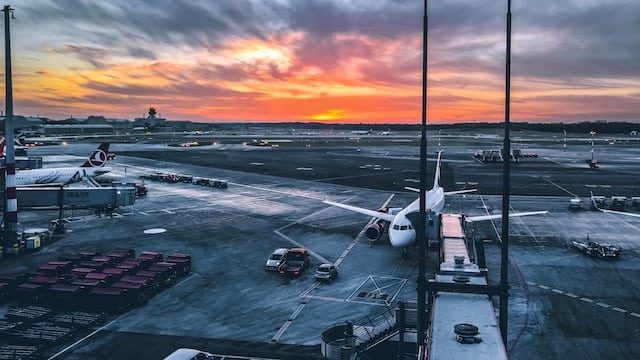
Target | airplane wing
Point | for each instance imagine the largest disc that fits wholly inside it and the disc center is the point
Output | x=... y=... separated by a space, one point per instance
x=459 y=192
x=446 y=192
x=619 y=212
x=372 y=213
x=499 y=216
x=595 y=205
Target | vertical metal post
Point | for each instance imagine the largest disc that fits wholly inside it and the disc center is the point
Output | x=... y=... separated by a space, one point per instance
x=11 y=206
x=506 y=173
x=401 y=323
x=421 y=235
x=592 y=145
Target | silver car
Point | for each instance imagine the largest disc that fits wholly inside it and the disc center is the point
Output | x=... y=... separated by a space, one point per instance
x=326 y=272
x=276 y=259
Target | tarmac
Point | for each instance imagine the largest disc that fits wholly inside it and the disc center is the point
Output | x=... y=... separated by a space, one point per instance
x=562 y=304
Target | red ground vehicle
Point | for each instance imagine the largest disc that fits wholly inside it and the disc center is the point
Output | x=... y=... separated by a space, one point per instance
x=297 y=261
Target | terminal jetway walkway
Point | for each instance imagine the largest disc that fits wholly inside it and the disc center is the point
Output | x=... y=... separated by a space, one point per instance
x=49 y=198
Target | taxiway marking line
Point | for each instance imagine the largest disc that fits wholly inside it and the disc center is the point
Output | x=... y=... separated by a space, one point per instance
x=325 y=298
x=493 y=223
x=287 y=323
x=559 y=187
x=524 y=225
x=85 y=338
x=587 y=300
x=359 y=176
x=276 y=191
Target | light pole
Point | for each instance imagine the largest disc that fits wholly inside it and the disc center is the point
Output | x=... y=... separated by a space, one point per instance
x=592 y=133
x=11 y=208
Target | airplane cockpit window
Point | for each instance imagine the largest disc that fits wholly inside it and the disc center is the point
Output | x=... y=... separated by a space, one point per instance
x=403 y=227
x=396 y=227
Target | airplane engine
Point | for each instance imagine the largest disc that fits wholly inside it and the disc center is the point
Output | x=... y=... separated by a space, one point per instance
x=374 y=231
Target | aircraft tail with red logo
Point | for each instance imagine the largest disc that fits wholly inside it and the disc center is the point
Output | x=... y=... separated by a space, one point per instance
x=99 y=157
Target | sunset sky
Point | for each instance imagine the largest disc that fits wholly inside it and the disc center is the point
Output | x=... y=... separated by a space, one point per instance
x=332 y=61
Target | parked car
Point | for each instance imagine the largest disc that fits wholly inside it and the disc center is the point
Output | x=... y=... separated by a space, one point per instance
x=297 y=260
x=277 y=258
x=326 y=272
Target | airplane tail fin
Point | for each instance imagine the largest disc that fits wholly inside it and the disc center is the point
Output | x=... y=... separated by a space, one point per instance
x=99 y=157
x=436 y=178
x=20 y=139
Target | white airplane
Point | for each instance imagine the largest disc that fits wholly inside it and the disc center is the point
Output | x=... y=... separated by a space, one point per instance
x=401 y=231
x=361 y=132
x=18 y=141
x=93 y=166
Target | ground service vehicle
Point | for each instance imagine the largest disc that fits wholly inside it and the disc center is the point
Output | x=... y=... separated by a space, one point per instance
x=595 y=249
x=326 y=272
x=297 y=260
x=276 y=259
x=189 y=354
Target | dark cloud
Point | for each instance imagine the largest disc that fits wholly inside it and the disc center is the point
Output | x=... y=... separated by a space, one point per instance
x=581 y=39
x=91 y=55
x=562 y=44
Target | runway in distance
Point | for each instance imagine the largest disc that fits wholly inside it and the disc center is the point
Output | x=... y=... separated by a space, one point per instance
x=93 y=166
x=401 y=231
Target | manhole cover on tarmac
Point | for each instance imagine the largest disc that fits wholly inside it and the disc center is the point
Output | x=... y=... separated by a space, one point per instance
x=155 y=231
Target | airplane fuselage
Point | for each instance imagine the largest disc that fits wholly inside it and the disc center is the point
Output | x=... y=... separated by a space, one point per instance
x=401 y=230
x=51 y=176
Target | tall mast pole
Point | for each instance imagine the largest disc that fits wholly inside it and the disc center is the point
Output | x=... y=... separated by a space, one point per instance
x=422 y=223
x=506 y=173
x=11 y=208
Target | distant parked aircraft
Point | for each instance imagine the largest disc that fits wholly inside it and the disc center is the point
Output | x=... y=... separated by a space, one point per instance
x=362 y=132
x=93 y=166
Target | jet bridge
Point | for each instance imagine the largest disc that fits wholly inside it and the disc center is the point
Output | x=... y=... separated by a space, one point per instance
x=48 y=198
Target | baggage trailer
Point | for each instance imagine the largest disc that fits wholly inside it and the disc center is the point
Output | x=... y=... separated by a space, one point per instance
x=182 y=262
x=109 y=300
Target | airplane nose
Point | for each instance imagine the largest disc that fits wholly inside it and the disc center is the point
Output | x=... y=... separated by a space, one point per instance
x=401 y=238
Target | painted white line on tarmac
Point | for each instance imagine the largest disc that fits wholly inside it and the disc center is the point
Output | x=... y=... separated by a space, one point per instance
x=287 y=323
x=85 y=338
